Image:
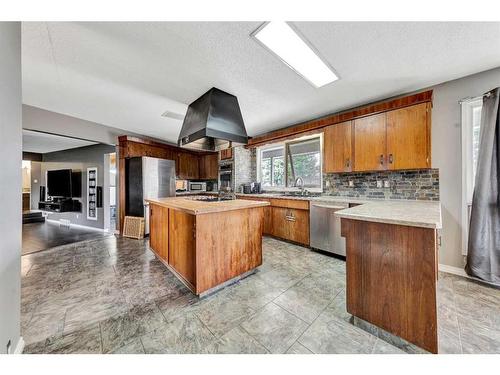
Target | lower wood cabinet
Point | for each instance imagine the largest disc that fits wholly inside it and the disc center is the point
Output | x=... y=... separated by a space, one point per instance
x=286 y=218
x=290 y=224
x=158 y=238
x=182 y=244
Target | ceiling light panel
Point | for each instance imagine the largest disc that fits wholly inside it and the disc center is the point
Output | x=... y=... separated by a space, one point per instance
x=281 y=39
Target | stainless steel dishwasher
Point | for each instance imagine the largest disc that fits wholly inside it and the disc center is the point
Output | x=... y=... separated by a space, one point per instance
x=325 y=227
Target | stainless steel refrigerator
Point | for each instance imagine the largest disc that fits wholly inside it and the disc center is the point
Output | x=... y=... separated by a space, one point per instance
x=147 y=178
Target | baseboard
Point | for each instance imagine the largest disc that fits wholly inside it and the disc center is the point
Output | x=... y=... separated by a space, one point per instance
x=453 y=270
x=20 y=346
x=78 y=225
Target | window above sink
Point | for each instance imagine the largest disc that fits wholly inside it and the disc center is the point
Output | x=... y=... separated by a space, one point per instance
x=279 y=165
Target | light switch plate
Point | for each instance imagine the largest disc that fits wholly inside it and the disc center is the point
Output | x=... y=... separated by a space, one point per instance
x=379 y=184
x=387 y=184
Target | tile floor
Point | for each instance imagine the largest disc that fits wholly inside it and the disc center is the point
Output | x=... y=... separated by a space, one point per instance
x=42 y=236
x=113 y=296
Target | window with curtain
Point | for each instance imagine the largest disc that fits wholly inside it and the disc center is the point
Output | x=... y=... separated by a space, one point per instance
x=471 y=124
x=301 y=157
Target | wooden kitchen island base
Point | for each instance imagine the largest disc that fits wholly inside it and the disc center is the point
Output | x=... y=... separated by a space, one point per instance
x=207 y=249
x=391 y=279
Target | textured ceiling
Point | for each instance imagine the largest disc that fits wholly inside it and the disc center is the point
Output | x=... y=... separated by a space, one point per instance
x=43 y=143
x=127 y=74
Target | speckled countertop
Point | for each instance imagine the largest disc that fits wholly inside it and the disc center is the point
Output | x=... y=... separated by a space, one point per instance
x=423 y=214
x=195 y=207
x=426 y=214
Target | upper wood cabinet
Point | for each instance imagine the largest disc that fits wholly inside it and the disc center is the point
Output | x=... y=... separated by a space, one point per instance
x=337 y=146
x=369 y=143
x=209 y=166
x=408 y=137
x=393 y=140
x=226 y=154
x=187 y=166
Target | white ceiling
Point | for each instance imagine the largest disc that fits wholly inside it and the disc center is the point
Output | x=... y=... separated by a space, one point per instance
x=43 y=142
x=127 y=74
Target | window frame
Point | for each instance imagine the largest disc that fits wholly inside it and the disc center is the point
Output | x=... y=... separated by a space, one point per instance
x=285 y=148
x=467 y=137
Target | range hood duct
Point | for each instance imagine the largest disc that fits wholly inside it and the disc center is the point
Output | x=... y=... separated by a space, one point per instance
x=213 y=122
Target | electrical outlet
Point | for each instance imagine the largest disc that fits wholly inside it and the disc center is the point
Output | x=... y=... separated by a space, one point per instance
x=9 y=345
x=328 y=183
x=387 y=184
x=379 y=184
x=351 y=183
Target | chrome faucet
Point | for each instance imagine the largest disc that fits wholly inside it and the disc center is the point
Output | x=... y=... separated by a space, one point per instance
x=301 y=185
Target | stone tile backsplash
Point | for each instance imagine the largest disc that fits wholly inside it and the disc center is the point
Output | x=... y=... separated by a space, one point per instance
x=415 y=185
x=244 y=166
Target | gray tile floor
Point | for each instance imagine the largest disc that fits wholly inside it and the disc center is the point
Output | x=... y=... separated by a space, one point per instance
x=112 y=296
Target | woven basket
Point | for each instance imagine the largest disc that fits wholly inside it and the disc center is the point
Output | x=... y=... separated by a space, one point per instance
x=133 y=227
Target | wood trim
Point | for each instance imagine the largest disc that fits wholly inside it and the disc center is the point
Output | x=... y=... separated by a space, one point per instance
x=352 y=114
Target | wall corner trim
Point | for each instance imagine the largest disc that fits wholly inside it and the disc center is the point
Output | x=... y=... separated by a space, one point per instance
x=20 y=346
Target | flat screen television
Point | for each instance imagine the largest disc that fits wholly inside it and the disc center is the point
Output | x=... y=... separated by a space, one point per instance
x=59 y=183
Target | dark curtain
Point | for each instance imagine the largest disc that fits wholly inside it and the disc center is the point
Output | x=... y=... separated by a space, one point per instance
x=483 y=256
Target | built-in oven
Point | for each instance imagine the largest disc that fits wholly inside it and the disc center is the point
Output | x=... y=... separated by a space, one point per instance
x=197 y=186
x=226 y=175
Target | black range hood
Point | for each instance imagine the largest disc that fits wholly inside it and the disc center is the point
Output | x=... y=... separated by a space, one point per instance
x=213 y=122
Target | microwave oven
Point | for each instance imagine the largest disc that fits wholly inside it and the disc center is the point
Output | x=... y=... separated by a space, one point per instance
x=197 y=186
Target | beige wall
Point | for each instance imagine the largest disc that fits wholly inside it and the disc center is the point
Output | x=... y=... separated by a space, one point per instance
x=447 y=154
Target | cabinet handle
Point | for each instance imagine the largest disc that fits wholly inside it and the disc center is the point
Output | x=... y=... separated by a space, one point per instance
x=381 y=159
x=347 y=163
x=391 y=159
x=290 y=218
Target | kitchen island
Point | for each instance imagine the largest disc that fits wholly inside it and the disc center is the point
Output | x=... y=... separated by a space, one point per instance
x=391 y=256
x=207 y=245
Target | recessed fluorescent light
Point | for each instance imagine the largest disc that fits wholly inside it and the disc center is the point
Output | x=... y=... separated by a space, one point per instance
x=282 y=40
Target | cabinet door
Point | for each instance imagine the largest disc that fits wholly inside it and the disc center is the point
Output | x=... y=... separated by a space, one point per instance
x=279 y=226
x=188 y=166
x=182 y=243
x=268 y=220
x=158 y=230
x=298 y=226
x=226 y=154
x=337 y=148
x=370 y=143
x=408 y=137
x=209 y=166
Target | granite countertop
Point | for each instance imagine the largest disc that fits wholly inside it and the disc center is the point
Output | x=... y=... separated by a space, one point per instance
x=425 y=214
x=195 y=207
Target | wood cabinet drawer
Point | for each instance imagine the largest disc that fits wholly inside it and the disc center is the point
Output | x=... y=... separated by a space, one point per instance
x=290 y=203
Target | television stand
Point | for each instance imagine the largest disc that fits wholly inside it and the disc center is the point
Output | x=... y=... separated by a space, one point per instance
x=61 y=205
